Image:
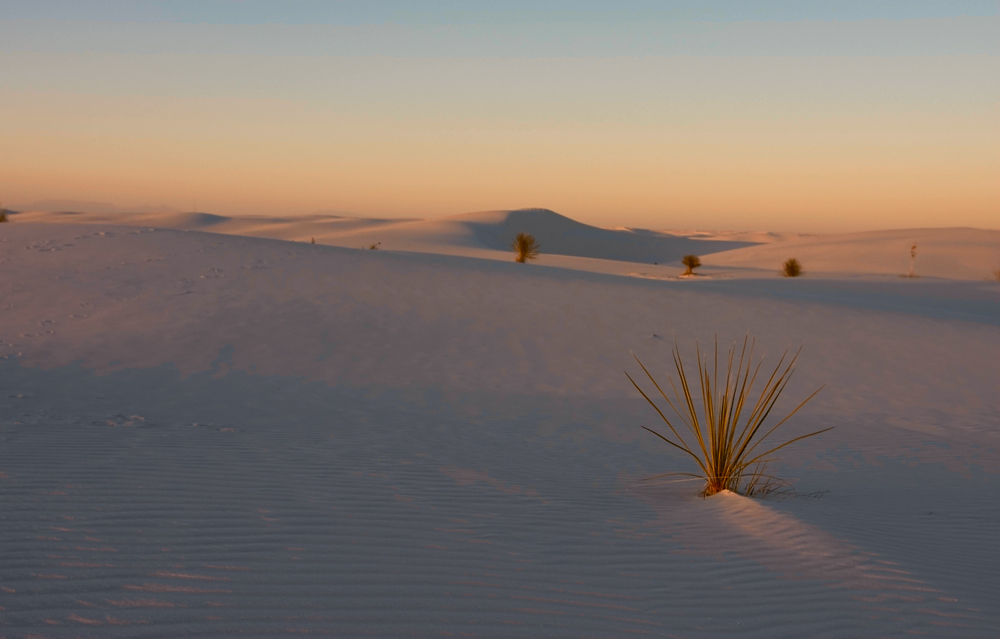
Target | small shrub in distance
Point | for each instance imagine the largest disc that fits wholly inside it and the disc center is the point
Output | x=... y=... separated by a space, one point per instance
x=525 y=248
x=727 y=438
x=373 y=247
x=691 y=262
x=791 y=268
x=3 y=215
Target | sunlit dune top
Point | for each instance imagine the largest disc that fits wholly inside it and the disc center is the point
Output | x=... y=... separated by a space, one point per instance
x=958 y=253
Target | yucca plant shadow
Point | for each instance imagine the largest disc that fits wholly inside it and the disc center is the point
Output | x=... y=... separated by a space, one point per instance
x=727 y=439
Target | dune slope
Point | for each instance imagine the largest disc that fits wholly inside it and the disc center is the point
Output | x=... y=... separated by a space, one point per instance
x=486 y=234
x=966 y=254
x=955 y=253
x=212 y=435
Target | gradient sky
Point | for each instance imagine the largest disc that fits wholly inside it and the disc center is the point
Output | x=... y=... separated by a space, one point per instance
x=780 y=115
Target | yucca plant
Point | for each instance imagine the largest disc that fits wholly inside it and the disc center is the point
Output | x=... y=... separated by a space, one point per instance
x=791 y=268
x=525 y=248
x=727 y=439
x=691 y=262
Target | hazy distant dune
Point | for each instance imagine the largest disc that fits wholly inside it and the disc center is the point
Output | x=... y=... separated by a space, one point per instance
x=184 y=220
x=480 y=234
x=958 y=253
x=751 y=237
x=557 y=235
x=84 y=206
x=301 y=228
x=164 y=220
x=297 y=227
x=563 y=236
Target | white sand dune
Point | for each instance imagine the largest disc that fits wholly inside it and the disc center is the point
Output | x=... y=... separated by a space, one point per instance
x=971 y=254
x=556 y=234
x=203 y=434
x=486 y=234
x=751 y=237
x=296 y=228
x=955 y=253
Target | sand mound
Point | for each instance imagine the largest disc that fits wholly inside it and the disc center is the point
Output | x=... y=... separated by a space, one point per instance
x=483 y=234
x=210 y=435
x=556 y=234
x=185 y=221
x=750 y=237
x=164 y=220
x=957 y=253
x=299 y=228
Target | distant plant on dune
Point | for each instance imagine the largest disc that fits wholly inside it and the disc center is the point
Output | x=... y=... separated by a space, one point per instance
x=725 y=440
x=312 y=240
x=525 y=248
x=996 y=274
x=374 y=247
x=691 y=262
x=791 y=268
x=913 y=259
x=3 y=215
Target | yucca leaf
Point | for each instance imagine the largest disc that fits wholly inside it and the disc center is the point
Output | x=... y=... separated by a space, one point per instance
x=725 y=439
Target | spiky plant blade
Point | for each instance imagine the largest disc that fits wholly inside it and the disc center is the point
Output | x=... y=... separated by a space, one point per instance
x=724 y=441
x=525 y=248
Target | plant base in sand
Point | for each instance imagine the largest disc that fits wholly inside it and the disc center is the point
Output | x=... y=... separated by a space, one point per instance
x=690 y=262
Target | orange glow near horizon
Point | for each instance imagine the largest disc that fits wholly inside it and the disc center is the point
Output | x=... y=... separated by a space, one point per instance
x=704 y=148
x=628 y=183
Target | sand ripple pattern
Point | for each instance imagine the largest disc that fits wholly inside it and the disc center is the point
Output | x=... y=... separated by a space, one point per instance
x=347 y=525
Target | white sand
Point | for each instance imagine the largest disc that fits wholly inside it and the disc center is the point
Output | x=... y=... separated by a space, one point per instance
x=954 y=253
x=211 y=435
x=970 y=254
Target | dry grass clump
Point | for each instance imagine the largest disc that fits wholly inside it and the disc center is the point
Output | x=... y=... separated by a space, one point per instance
x=726 y=438
x=691 y=262
x=791 y=268
x=525 y=248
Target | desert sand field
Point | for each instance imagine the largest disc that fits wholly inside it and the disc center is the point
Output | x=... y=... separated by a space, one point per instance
x=212 y=427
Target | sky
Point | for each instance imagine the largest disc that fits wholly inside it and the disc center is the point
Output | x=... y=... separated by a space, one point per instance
x=780 y=115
